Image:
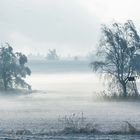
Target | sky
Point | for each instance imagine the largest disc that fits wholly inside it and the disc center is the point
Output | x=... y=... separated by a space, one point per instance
x=72 y=27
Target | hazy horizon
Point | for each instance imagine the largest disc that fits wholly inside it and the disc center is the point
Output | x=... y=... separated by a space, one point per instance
x=70 y=27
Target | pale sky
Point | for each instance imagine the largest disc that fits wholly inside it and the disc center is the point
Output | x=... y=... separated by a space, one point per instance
x=69 y=26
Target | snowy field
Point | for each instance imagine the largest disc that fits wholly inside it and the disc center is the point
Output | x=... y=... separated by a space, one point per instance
x=60 y=94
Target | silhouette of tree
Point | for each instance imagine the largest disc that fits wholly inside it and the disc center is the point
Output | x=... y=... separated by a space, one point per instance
x=12 y=68
x=120 y=48
x=52 y=55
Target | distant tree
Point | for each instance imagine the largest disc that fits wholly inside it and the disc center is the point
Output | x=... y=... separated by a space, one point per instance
x=76 y=58
x=12 y=68
x=120 y=47
x=52 y=55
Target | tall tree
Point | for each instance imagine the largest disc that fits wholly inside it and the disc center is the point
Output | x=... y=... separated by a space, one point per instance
x=120 y=48
x=12 y=68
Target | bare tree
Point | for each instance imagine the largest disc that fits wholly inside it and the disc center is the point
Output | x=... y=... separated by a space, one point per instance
x=120 y=47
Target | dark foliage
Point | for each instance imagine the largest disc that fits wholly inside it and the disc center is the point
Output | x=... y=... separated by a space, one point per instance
x=13 y=69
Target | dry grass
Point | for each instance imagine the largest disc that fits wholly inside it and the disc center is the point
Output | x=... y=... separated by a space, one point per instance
x=77 y=124
x=103 y=96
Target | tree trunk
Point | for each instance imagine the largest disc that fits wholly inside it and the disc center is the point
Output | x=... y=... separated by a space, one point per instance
x=5 y=84
x=135 y=88
x=124 y=89
x=4 y=81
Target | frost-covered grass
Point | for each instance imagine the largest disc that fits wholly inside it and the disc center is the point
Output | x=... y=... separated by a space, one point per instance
x=35 y=116
x=76 y=124
x=104 y=96
x=74 y=127
x=71 y=137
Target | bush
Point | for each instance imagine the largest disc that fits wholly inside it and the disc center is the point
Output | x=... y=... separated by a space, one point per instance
x=77 y=124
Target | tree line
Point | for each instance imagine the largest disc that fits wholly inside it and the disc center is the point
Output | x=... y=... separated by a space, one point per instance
x=119 y=60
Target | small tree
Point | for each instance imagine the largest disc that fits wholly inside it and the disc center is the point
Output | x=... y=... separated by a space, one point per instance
x=120 y=47
x=12 y=68
x=52 y=55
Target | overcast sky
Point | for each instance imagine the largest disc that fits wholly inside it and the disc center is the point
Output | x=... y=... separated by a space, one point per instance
x=69 y=26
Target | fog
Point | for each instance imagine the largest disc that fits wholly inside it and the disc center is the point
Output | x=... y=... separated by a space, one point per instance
x=56 y=94
x=67 y=26
x=60 y=39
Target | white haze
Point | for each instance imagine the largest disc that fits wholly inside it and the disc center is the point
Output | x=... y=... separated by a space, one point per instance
x=58 y=94
x=34 y=26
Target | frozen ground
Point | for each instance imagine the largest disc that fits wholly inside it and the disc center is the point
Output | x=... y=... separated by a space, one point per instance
x=64 y=93
x=94 y=137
